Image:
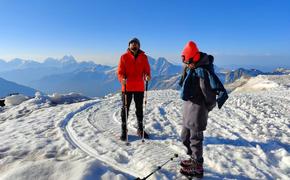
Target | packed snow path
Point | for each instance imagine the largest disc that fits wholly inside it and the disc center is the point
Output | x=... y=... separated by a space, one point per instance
x=248 y=138
x=96 y=131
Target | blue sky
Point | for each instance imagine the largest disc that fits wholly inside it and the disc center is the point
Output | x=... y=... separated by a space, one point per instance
x=237 y=32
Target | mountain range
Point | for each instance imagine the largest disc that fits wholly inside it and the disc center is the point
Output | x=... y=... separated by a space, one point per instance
x=68 y=75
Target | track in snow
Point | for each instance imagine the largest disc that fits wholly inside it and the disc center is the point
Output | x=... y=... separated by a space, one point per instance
x=238 y=141
x=95 y=130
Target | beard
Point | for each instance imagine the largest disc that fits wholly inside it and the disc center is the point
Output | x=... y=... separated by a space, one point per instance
x=134 y=49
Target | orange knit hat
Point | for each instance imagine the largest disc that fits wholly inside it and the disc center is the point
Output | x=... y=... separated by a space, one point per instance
x=190 y=51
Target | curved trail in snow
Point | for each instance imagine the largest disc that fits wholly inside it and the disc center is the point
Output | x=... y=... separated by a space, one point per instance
x=72 y=137
x=238 y=140
x=95 y=129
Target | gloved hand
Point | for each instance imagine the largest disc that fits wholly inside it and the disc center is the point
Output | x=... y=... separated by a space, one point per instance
x=124 y=81
x=147 y=78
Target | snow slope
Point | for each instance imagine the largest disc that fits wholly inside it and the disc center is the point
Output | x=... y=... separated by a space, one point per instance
x=247 y=139
x=265 y=82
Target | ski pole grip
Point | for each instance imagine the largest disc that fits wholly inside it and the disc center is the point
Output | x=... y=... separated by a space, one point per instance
x=146 y=85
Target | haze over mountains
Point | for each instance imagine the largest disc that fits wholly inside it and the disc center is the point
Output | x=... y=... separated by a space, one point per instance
x=90 y=79
x=8 y=87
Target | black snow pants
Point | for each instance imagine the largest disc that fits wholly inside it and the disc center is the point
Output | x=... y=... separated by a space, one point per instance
x=138 y=99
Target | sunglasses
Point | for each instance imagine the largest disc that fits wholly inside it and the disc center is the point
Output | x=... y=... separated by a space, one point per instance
x=190 y=61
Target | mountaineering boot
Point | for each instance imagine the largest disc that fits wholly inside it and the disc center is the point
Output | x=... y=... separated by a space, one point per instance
x=191 y=168
x=187 y=163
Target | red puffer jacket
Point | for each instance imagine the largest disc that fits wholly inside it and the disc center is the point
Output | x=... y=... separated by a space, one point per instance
x=134 y=70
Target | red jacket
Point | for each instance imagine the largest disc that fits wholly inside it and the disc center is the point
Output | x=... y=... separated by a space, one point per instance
x=134 y=70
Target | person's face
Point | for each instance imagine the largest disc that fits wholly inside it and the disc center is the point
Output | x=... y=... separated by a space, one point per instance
x=134 y=46
x=191 y=65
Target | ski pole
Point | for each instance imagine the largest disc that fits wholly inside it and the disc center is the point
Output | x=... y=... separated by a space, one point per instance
x=158 y=168
x=126 y=114
x=145 y=102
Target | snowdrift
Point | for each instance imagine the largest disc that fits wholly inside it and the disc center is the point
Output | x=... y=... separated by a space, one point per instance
x=39 y=98
x=15 y=100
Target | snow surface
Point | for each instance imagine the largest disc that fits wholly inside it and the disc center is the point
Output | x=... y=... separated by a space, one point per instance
x=15 y=99
x=247 y=139
x=57 y=98
x=258 y=83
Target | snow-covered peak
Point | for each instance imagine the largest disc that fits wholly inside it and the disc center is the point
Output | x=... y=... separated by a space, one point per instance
x=68 y=59
x=162 y=61
x=241 y=72
x=250 y=72
x=17 y=61
x=163 y=67
x=51 y=62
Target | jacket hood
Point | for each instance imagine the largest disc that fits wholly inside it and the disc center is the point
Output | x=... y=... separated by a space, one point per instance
x=204 y=60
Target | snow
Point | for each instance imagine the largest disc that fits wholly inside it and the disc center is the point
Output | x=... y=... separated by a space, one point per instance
x=54 y=99
x=264 y=82
x=15 y=100
x=237 y=83
x=57 y=98
x=247 y=139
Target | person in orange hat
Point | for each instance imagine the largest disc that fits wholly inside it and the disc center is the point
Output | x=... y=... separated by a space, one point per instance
x=133 y=70
x=198 y=100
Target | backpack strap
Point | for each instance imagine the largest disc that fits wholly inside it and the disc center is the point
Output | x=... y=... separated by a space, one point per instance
x=183 y=76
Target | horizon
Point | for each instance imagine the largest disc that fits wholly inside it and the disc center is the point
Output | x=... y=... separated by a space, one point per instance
x=243 y=33
x=232 y=66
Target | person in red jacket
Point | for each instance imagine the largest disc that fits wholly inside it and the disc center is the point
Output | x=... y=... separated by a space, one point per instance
x=133 y=70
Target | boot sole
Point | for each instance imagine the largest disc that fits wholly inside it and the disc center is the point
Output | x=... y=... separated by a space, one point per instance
x=192 y=175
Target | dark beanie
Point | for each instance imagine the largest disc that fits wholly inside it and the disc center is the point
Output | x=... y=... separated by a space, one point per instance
x=134 y=40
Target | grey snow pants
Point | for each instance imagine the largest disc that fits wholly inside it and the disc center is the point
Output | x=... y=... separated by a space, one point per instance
x=193 y=141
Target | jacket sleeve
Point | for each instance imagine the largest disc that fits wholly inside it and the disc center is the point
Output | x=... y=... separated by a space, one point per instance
x=147 y=68
x=208 y=93
x=121 y=69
